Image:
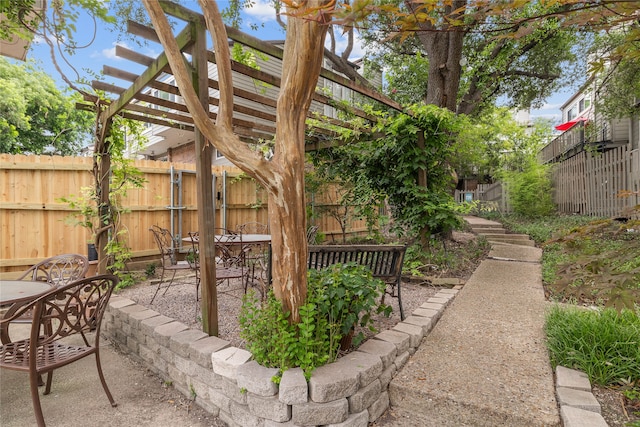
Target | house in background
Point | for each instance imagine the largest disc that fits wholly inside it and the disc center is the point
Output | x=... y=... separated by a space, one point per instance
x=584 y=128
x=254 y=115
x=596 y=159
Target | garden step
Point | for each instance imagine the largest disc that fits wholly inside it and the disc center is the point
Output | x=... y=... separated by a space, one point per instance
x=521 y=242
x=494 y=230
x=506 y=236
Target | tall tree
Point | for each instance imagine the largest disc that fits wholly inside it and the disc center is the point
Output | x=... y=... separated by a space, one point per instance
x=35 y=117
x=470 y=59
x=282 y=175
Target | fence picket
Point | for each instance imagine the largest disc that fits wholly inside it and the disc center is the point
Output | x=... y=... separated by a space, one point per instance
x=35 y=223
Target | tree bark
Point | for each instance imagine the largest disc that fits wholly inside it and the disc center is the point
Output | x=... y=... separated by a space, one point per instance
x=444 y=50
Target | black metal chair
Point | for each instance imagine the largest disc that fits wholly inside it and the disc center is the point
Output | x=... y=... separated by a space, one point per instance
x=230 y=259
x=64 y=312
x=168 y=257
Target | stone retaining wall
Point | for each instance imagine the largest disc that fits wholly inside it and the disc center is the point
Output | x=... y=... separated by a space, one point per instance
x=351 y=391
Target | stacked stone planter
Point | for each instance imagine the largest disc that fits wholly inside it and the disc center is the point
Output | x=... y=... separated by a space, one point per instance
x=351 y=391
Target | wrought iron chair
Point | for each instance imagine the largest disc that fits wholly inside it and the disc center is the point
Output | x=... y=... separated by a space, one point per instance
x=253 y=228
x=256 y=256
x=193 y=258
x=57 y=270
x=230 y=259
x=64 y=312
x=168 y=257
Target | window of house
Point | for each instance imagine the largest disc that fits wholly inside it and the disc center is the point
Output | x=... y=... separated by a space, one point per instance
x=584 y=104
x=572 y=113
x=219 y=155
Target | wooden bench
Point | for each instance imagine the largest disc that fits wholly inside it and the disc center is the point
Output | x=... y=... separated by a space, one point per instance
x=385 y=262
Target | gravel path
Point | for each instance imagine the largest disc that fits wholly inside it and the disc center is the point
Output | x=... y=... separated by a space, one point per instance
x=179 y=302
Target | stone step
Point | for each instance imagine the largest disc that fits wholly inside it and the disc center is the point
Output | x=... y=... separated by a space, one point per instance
x=506 y=236
x=521 y=242
x=495 y=230
x=488 y=230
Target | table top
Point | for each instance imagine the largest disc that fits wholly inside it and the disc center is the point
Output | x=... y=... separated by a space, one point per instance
x=13 y=291
x=232 y=239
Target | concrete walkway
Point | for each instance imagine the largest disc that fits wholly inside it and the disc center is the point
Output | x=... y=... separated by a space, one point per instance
x=485 y=363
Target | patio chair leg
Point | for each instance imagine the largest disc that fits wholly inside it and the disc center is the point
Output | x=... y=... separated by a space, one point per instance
x=35 y=398
x=170 y=283
x=160 y=284
x=47 y=389
x=104 y=383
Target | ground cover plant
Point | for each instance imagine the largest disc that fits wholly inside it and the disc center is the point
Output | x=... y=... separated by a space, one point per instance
x=605 y=344
x=586 y=261
x=339 y=298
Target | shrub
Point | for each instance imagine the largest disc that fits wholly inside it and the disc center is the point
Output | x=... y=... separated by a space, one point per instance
x=338 y=298
x=604 y=344
x=530 y=191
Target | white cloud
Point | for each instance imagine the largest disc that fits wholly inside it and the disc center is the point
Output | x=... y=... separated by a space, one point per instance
x=341 y=43
x=262 y=11
x=109 y=53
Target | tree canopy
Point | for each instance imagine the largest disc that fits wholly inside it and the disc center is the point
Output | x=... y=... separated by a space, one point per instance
x=35 y=117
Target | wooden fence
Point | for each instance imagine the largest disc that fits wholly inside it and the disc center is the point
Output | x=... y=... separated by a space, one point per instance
x=593 y=183
x=495 y=194
x=36 y=224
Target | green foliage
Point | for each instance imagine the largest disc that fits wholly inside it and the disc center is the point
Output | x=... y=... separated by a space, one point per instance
x=405 y=78
x=586 y=260
x=530 y=190
x=150 y=269
x=388 y=167
x=338 y=299
x=617 y=75
x=604 y=344
x=601 y=264
x=23 y=19
x=524 y=70
x=35 y=117
x=439 y=258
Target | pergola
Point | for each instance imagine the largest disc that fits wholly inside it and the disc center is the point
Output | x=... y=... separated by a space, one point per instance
x=253 y=113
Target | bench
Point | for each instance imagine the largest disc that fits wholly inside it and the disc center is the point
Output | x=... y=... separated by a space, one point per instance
x=384 y=261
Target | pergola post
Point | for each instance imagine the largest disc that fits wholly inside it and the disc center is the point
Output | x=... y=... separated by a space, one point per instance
x=204 y=190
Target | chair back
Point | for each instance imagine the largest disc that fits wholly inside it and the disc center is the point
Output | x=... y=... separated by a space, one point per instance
x=228 y=247
x=253 y=228
x=312 y=234
x=165 y=241
x=76 y=308
x=58 y=270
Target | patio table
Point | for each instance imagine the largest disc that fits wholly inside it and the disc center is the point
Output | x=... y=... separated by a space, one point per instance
x=14 y=294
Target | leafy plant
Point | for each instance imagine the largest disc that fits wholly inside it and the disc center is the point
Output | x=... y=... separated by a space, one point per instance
x=338 y=298
x=349 y=294
x=605 y=344
x=415 y=178
x=530 y=190
x=150 y=269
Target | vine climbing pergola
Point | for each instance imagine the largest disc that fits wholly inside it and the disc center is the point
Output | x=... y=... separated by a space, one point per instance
x=254 y=115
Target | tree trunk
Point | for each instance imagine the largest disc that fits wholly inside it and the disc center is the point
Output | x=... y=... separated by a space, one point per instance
x=444 y=51
x=283 y=175
x=302 y=61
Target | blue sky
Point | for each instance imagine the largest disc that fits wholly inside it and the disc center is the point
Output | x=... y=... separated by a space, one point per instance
x=102 y=51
